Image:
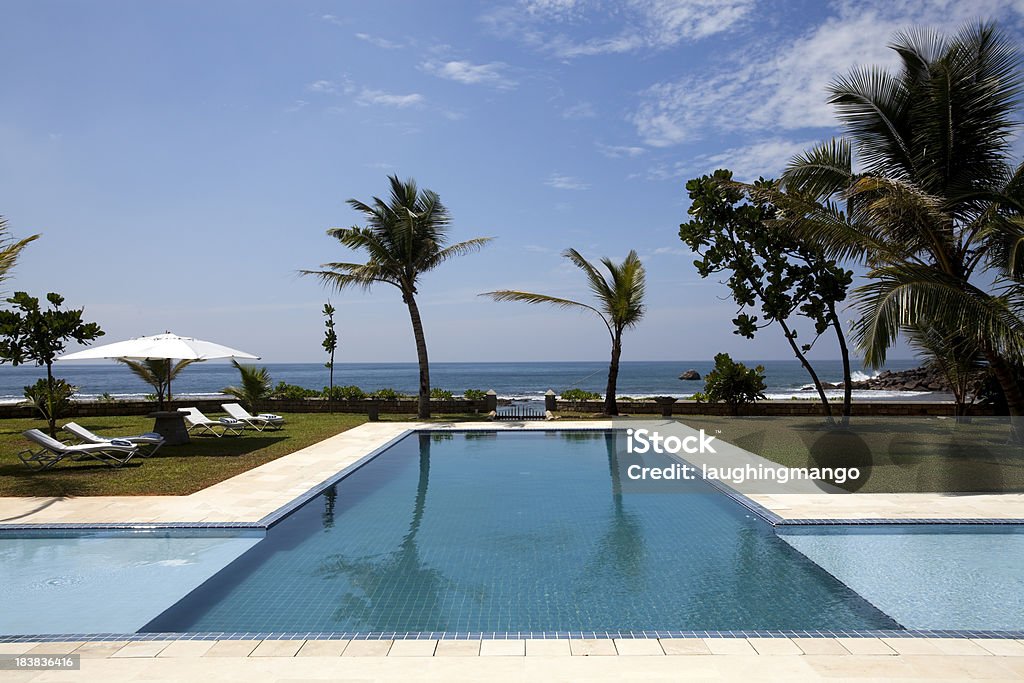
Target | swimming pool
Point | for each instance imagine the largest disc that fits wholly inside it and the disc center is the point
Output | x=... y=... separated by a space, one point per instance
x=484 y=531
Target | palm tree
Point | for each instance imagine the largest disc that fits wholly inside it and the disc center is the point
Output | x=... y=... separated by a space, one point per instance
x=158 y=374
x=620 y=304
x=934 y=210
x=404 y=238
x=10 y=249
x=254 y=388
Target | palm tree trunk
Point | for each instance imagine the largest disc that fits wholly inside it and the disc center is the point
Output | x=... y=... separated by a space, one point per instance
x=1011 y=390
x=844 y=351
x=610 y=406
x=421 y=355
x=51 y=419
x=810 y=370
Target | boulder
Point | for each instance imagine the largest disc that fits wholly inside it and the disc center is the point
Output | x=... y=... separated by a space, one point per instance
x=690 y=375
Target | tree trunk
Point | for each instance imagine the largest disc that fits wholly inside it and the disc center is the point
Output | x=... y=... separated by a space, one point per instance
x=51 y=419
x=844 y=351
x=809 y=369
x=610 y=405
x=421 y=355
x=1012 y=391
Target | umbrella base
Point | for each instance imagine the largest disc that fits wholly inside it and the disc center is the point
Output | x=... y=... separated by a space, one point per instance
x=170 y=424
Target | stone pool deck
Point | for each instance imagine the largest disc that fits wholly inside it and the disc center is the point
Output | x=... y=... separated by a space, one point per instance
x=254 y=495
x=251 y=496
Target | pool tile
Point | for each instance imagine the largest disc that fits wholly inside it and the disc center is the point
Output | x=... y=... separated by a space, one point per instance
x=588 y=647
x=1000 y=646
x=866 y=646
x=820 y=646
x=367 y=648
x=413 y=648
x=322 y=648
x=277 y=648
x=457 y=648
x=684 y=646
x=232 y=648
x=141 y=648
x=729 y=646
x=774 y=646
x=629 y=647
x=187 y=648
x=502 y=648
x=548 y=647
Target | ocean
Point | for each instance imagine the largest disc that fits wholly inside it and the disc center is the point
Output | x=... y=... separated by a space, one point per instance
x=522 y=381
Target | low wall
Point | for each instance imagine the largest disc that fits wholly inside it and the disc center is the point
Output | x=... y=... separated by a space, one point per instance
x=779 y=408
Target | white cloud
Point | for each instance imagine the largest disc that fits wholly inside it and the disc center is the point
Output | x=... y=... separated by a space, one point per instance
x=462 y=71
x=334 y=19
x=382 y=43
x=297 y=105
x=784 y=86
x=620 y=151
x=323 y=86
x=767 y=158
x=581 y=110
x=629 y=26
x=368 y=97
x=565 y=182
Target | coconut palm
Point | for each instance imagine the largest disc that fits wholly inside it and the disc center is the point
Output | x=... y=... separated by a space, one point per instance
x=620 y=304
x=404 y=238
x=158 y=373
x=10 y=249
x=933 y=210
x=254 y=387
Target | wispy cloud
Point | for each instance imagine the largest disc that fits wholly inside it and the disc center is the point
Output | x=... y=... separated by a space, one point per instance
x=566 y=182
x=377 y=41
x=783 y=86
x=581 y=110
x=297 y=105
x=766 y=158
x=634 y=25
x=619 y=151
x=334 y=19
x=368 y=97
x=493 y=74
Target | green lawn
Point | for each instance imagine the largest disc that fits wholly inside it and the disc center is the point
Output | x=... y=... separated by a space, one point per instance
x=898 y=455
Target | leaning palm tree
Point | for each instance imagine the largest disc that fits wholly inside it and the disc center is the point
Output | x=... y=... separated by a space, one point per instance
x=620 y=304
x=254 y=387
x=933 y=211
x=10 y=249
x=404 y=238
x=158 y=373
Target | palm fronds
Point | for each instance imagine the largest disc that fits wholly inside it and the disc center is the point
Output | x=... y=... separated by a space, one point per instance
x=157 y=373
x=254 y=387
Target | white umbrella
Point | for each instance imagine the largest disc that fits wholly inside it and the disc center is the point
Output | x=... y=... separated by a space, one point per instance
x=160 y=347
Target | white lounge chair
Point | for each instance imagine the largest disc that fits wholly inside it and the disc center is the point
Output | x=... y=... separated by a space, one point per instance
x=148 y=443
x=197 y=421
x=114 y=453
x=257 y=422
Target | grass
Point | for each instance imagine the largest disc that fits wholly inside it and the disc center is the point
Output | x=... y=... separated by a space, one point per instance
x=895 y=455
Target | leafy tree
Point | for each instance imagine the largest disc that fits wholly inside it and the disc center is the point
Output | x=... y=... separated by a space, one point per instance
x=733 y=383
x=404 y=238
x=254 y=387
x=767 y=267
x=10 y=250
x=330 y=345
x=30 y=334
x=158 y=373
x=935 y=209
x=620 y=304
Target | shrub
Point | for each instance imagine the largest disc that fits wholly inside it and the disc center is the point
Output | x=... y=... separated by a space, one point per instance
x=441 y=394
x=733 y=383
x=576 y=395
x=51 y=400
x=474 y=394
x=387 y=394
x=346 y=393
x=292 y=392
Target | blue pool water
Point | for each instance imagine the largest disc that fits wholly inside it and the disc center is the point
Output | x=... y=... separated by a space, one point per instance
x=516 y=532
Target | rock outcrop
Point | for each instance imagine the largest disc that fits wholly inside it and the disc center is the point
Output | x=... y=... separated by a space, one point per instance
x=690 y=375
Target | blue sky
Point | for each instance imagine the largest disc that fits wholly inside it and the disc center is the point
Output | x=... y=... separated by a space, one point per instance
x=184 y=159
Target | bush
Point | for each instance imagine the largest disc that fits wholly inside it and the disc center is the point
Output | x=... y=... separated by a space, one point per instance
x=346 y=393
x=387 y=394
x=52 y=405
x=293 y=392
x=441 y=394
x=474 y=394
x=733 y=383
x=580 y=395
